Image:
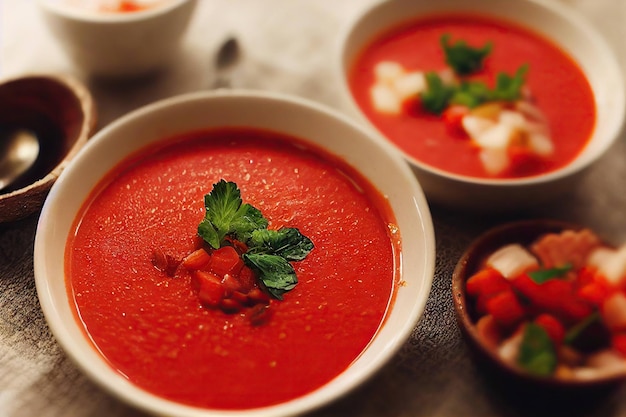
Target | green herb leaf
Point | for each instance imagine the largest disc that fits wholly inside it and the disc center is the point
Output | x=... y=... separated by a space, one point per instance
x=226 y=215
x=463 y=58
x=275 y=272
x=579 y=328
x=537 y=354
x=437 y=95
x=287 y=242
x=542 y=275
x=471 y=94
x=509 y=88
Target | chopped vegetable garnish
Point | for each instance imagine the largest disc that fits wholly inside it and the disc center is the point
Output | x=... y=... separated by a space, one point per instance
x=437 y=96
x=463 y=58
x=226 y=215
x=542 y=275
x=547 y=317
x=269 y=251
x=537 y=354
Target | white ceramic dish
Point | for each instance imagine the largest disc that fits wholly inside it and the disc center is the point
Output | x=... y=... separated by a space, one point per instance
x=292 y=116
x=121 y=44
x=556 y=22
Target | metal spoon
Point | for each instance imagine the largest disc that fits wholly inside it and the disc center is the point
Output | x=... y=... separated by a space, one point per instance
x=19 y=149
x=227 y=56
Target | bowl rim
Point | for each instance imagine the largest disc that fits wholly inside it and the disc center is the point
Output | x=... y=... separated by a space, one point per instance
x=321 y=396
x=509 y=233
x=88 y=111
x=77 y=14
x=559 y=10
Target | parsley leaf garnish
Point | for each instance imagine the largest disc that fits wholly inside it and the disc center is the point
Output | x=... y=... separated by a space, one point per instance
x=542 y=275
x=463 y=58
x=537 y=354
x=437 y=95
x=276 y=272
x=287 y=242
x=509 y=88
x=269 y=251
x=227 y=216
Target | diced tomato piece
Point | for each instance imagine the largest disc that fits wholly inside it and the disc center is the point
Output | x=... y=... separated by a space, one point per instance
x=210 y=289
x=555 y=296
x=506 y=308
x=488 y=331
x=258 y=296
x=575 y=309
x=552 y=326
x=412 y=106
x=240 y=297
x=486 y=282
x=226 y=260
x=230 y=305
x=238 y=245
x=197 y=259
x=230 y=284
x=594 y=292
x=586 y=275
x=453 y=120
x=618 y=341
x=247 y=278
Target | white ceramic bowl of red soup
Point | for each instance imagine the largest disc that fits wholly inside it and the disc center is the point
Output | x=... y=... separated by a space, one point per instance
x=129 y=206
x=570 y=101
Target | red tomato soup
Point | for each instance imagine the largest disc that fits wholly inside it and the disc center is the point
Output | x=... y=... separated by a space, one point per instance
x=558 y=87
x=151 y=328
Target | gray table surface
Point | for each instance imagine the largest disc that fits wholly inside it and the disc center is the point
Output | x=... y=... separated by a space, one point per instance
x=435 y=373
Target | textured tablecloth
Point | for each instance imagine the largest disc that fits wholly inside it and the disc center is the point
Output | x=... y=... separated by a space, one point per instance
x=288 y=46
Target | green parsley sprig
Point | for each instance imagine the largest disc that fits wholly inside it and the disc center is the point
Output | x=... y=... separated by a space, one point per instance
x=269 y=251
x=464 y=61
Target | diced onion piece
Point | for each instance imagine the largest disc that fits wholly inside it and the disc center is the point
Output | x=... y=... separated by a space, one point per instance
x=614 y=311
x=385 y=99
x=531 y=111
x=540 y=144
x=609 y=360
x=610 y=263
x=494 y=160
x=409 y=84
x=513 y=119
x=476 y=126
x=512 y=260
x=509 y=348
x=498 y=136
x=601 y=364
x=388 y=71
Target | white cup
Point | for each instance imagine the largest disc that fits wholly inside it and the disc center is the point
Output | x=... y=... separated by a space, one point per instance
x=119 y=44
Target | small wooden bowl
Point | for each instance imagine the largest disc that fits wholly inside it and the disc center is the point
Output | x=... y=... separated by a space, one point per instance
x=524 y=233
x=61 y=112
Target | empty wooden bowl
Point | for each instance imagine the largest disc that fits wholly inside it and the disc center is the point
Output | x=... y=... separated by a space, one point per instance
x=467 y=308
x=61 y=113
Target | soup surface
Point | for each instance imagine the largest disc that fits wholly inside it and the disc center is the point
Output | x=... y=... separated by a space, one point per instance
x=152 y=328
x=558 y=86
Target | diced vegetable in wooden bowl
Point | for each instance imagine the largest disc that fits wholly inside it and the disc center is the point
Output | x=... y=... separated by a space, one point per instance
x=545 y=301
